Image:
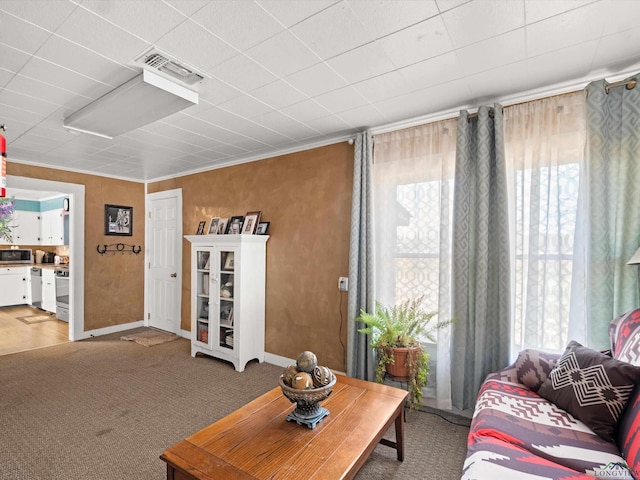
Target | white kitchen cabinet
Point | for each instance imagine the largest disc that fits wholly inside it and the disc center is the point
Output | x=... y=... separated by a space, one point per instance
x=48 y=290
x=14 y=286
x=228 y=297
x=27 y=229
x=52 y=227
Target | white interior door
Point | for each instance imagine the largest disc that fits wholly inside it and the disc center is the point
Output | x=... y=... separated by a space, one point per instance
x=164 y=273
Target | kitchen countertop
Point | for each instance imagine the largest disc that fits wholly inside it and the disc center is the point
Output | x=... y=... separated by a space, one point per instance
x=46 y=266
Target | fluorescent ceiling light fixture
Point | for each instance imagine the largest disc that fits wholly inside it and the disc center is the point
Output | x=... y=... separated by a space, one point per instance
x=142 y=100
x=79 y=130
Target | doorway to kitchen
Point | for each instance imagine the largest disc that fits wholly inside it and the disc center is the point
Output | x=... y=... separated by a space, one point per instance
x=76 y=195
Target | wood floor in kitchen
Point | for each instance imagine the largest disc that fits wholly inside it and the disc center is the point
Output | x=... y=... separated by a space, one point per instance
x=24 y=328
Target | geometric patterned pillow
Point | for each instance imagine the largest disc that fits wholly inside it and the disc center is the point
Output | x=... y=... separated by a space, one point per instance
x=624 y=333
x=533 y=367
x=592 y=387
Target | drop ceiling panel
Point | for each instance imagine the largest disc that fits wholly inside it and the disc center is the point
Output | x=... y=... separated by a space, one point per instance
x=100 y=36
x=282 y=75
x=241 y=24
x=147 y=20
x=21 y=34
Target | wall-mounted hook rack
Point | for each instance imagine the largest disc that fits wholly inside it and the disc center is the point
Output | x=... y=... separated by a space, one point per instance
x=118 y=248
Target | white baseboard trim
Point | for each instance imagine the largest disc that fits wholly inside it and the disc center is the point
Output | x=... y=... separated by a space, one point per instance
x=278 y=360
x=114 y=329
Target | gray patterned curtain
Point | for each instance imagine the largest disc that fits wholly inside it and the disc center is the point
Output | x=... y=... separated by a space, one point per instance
x=481 y=253
x=613 y=159
x=360 y=359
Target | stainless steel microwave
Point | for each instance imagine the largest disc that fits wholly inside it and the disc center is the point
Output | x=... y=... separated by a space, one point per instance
x=21 y=255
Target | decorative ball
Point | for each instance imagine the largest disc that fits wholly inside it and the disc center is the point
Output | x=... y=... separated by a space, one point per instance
x=307 y=361
x=321 y=376
x=288 y=374
x=302 y=381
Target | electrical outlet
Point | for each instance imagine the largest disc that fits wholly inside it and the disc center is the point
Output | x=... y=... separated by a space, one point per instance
x=343 y=284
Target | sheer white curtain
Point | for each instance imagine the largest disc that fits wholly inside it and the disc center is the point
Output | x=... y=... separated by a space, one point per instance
x=413 y=174
x=545 y=141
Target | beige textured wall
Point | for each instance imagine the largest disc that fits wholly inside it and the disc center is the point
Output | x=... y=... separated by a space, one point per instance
x=307 y=198
x=114 y=284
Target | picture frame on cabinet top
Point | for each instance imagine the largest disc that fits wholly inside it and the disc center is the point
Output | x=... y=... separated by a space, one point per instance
x=235 y=225
x=201 y=226
x=251 y=220
x=222 y=226
x=262 y=229
x=213 y=226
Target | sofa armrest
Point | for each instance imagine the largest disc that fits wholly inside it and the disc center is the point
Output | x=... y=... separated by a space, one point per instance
x=533 y=367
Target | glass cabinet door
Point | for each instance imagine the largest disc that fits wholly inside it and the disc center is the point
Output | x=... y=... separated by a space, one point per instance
x=226 y=298
x=203 y=294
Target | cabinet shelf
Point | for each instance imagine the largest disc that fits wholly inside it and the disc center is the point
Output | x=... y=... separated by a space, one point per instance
x=227 y=297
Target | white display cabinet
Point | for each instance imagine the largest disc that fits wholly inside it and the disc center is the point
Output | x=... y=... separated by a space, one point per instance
x=228 y=297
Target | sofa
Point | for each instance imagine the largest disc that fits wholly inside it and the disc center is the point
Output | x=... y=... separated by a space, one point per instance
x=574 y=415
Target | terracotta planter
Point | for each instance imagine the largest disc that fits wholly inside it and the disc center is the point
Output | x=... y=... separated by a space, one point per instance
x=399 y=370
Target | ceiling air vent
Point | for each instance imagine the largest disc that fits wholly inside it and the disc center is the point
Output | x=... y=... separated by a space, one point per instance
x=160 y=62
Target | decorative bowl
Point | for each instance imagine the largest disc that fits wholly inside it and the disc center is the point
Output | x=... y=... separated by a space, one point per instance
x=308 y=411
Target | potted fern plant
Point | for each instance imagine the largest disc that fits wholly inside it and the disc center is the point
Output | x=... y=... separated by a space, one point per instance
x=396 y=333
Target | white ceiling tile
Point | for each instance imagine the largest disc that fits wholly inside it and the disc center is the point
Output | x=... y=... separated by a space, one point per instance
x=382 y=87
x=329 y=125
x=364 y=117
x=305 y=111
x=618 y=51
x=147 y=20
x=246 y=106
x=186 y=7
x=571 y=28
x=536 y=10
x=243 y=73
x=497 y=51
x=278 y=94
x=620 y=15
x=12 y=59
x=284 y=124
x=41 y=90
x=241 y=24
x=215 y=91
x=332 y=31
x=316 y=80
x=575 y=62
x=15 y=32
x=434 y=71
x=361 y=63
x=290 y=12
x=479 y=20
x=490 y=85
x=192 y=44
x=419 y=42
x=450 y=95
x=225 y=119
x=444 y=5
x=100 y=36
x=381 y=17
x=5 y=76
x=283 y=54
x=74 y=57
x=50 y=73
x=48 y=14
x=339 y=100
x=26 y=102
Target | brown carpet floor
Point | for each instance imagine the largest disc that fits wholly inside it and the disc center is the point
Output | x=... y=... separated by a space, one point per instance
x=106 y=409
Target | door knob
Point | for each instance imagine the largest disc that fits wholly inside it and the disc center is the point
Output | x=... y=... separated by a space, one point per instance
x=174 y=275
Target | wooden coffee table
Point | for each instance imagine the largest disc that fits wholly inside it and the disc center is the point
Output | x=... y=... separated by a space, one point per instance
x=256 y=441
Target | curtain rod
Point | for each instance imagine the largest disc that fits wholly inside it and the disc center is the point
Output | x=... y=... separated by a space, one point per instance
x=629 y=84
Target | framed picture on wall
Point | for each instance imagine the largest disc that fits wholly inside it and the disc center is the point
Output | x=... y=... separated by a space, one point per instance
x=118 y=220
x=250 y=224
